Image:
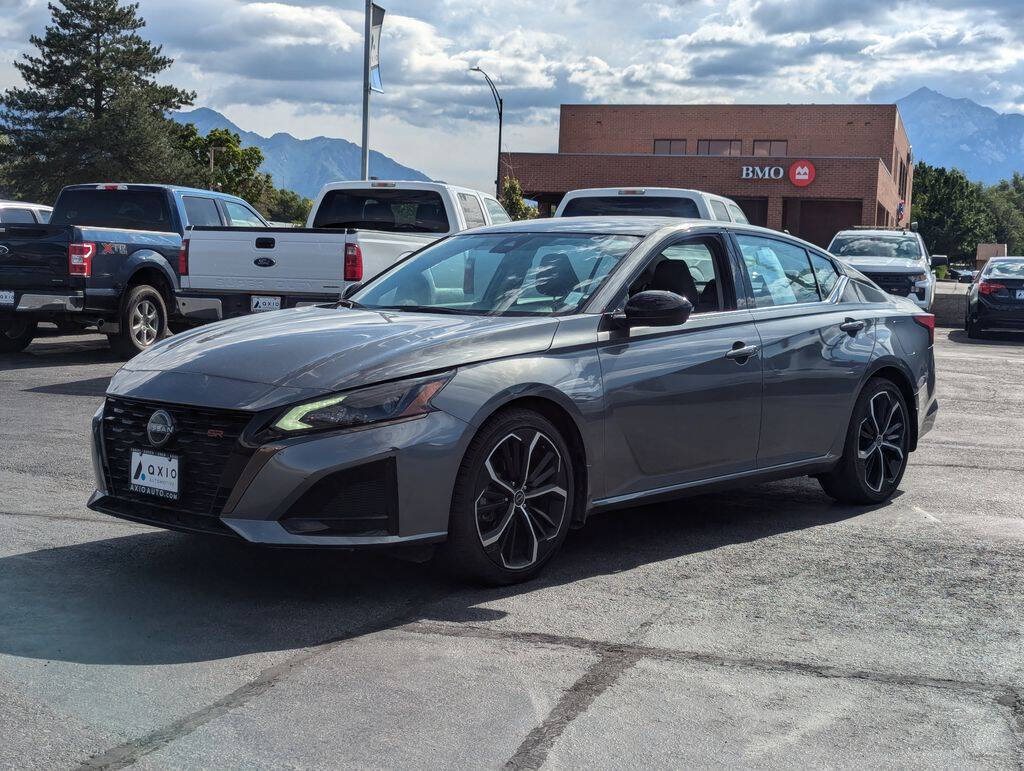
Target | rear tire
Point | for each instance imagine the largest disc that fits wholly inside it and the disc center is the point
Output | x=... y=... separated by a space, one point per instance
x=143 y=322
x=974 y=330
x=512 y=502
x=16 y=335
x=877 y=445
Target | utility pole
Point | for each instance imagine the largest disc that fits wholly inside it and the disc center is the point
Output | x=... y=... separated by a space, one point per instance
x=213 y=151
x=366 y=91
x=500 y=105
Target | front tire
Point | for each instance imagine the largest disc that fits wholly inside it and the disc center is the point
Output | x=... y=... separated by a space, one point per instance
x=143 y=322
x=16 y=335
x=877 y=445
x=513 y=500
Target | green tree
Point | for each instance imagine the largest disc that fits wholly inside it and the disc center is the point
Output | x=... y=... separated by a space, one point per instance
x=1006 y=211
x=513 y=201
x=236 y=169
x=288 y=206
x=950 y=210
x=90 y=108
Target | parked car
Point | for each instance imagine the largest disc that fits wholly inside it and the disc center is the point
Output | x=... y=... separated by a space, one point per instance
x=494 y=389
x=895 y=259
x=110 y=257
x=649 y=202
x=17 y=212
x=996 y=299
x=354 y=231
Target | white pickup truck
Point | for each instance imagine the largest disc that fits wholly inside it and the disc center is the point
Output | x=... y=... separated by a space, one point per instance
x=354 y=231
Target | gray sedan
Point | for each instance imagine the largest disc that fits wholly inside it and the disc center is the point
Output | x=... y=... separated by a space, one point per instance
x=493 y=390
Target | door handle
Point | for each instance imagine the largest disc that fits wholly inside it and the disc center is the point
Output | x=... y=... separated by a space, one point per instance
x=741 y=351
x=265 y=243
x=852 y=326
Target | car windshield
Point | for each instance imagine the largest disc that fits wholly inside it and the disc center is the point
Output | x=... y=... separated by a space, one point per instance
x=1005 y=269
x=500 y=274
x=631 y=206
x=862 y=245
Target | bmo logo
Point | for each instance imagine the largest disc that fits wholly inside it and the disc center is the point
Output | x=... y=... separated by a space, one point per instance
x=801 y=173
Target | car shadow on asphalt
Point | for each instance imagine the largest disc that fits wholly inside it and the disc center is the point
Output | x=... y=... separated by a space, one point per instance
x=1007 y=339
x=60 y=355
x=156 y=597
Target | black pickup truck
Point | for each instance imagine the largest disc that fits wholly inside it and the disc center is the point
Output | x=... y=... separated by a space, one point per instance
x=110 y=258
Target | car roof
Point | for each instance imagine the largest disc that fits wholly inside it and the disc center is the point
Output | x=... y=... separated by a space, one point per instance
x=877 y=232
x=159 y=186
x=25 y=204
x=399 y=184
x=663 y=191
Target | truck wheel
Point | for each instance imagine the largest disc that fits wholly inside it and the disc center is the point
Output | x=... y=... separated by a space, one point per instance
x=16 y=335
x=143 y=322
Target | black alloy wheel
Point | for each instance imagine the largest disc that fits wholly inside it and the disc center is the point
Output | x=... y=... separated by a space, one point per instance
x=513 y=500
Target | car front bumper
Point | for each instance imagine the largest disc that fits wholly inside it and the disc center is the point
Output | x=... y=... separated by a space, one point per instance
x=377 y=486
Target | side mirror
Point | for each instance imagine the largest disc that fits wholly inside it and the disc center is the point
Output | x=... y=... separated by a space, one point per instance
x=939 y=260
x=655 y=308
x=350 y=290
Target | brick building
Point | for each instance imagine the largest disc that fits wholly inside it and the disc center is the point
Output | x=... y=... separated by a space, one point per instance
x=808 y=169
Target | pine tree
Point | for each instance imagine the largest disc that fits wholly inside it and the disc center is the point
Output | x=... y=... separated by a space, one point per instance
x=90 y=109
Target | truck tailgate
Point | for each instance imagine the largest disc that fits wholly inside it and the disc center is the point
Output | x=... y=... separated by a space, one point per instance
x=271 y=260
x=34 y=257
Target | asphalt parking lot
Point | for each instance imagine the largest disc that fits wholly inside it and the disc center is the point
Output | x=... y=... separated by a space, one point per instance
x=763 y=627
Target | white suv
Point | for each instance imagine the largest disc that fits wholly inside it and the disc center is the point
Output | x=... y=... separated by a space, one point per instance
x=895 y=259
x=15 y=212
x=649 y=202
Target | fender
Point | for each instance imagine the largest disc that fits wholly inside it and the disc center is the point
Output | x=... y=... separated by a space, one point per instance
x=145 y=258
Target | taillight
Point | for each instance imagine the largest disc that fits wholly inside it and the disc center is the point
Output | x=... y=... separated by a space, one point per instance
x=80 y=258
x=353 y=262
x=183 y=258
x=993 y=288
x=927 y=320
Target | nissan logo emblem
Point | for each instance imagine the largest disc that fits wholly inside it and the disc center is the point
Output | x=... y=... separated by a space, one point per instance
x=4 y=250
x=160 y=428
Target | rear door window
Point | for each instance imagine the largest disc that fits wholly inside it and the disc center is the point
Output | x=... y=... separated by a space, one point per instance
x=43 y=215
x=737 y=214
x=240 y=216
x=496 y=210
x=631 y=206
x=719 y=210
x=780 y=272
x=397 y=211
x=201 y=211
x=133 y=209
x=471 y=210
x=16 y=215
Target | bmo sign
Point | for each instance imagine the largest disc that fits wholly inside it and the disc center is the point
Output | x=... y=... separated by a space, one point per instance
x=801 y=173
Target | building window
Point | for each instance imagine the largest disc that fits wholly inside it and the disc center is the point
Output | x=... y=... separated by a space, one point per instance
x=670 y=147
x=903 y=180
x=719 y=147
x=776 y=148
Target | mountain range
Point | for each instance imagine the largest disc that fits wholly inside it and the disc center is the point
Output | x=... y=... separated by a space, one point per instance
x=303 y=165
x=984 y=144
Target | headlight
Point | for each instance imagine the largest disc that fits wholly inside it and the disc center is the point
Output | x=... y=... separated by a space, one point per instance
x=917 y=277
x=388 y=401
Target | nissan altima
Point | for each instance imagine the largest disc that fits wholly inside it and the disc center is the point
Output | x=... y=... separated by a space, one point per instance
x=490 y=392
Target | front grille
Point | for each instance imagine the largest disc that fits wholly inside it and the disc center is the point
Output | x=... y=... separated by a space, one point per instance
x=206 y=441
x=893 y=283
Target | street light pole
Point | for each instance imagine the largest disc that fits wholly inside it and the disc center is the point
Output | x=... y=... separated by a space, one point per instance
x=500 y=104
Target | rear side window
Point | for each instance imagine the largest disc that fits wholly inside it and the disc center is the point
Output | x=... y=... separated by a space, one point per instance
x=719 y=210
x=201 y=211
x=496 y=210
x=242 y=216
x=43 y=215
x=826 y=274
x=631 y=206
x=780 y=273
x=471 y=210
x=17 y=215
x=135 y=209
x=737 y=214
x=398 y=211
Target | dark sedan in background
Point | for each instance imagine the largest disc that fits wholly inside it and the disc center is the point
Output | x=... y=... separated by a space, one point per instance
x=491 y=391
x=996 y=299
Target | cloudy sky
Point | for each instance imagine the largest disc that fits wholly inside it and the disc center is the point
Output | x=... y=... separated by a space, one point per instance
x=295 y=66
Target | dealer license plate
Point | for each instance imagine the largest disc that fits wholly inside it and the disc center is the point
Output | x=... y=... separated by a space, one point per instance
x=6 y=297
x=154 y=473
x=1020 y=294
x=260 y=303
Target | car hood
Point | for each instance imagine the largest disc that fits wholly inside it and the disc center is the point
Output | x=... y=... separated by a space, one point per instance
x=886 y=264
x=327 y=349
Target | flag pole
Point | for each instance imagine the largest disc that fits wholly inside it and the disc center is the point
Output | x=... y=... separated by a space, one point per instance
x=366 y=92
